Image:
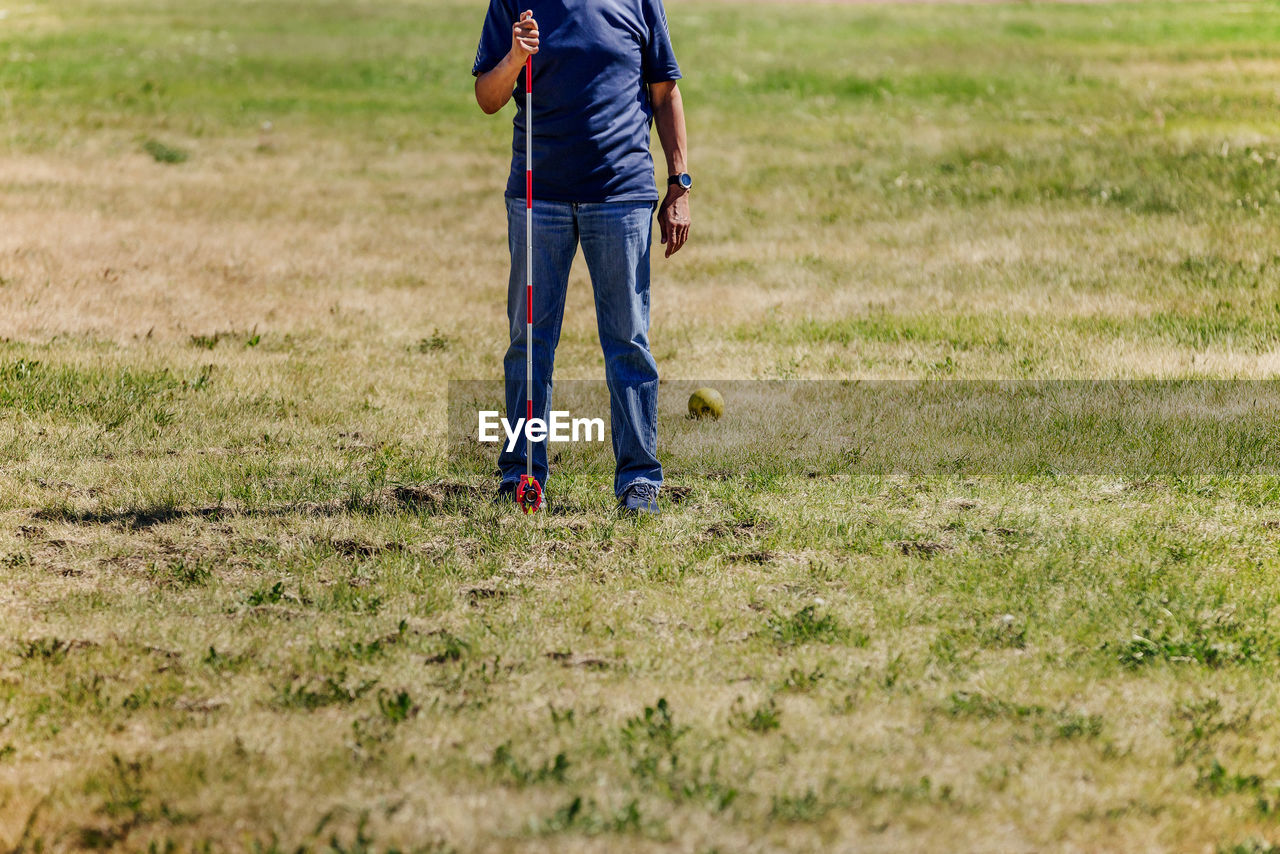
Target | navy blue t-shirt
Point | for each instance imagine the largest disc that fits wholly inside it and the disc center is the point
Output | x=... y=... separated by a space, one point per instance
x=591 y=110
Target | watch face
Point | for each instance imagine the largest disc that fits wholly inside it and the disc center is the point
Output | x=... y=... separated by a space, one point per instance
x=686 y=180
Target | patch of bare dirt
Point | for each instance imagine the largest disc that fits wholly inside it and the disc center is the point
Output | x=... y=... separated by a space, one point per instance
x=742 y=529
x=590 y=662
x=921 y=548
x=435 y=496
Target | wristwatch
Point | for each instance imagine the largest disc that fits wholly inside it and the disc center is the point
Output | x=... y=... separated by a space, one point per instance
x=684 y=179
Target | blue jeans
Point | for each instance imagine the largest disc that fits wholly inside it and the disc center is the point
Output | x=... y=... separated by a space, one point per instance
x=615 y=238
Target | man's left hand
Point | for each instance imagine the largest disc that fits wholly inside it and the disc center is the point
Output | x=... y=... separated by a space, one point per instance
x=673 y=219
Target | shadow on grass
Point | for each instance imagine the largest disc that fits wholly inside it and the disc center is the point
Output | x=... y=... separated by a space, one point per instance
x=433 y=498
x=138 y=517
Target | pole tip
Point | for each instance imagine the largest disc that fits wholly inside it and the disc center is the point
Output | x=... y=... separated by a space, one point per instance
x=529 y=494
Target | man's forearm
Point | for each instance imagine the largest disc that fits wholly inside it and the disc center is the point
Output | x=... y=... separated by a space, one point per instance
x=668 y=115
x=494 y=87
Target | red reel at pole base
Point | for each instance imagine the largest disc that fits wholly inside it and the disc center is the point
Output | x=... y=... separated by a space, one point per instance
x=529 y=494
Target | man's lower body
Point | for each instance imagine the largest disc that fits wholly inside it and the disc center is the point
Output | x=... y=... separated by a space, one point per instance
x=615 y=239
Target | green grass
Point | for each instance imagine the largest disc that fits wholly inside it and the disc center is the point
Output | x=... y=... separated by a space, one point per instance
x=250 y=602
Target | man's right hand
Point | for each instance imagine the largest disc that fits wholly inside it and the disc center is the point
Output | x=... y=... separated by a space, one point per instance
x=493 y=87
x=524 y=37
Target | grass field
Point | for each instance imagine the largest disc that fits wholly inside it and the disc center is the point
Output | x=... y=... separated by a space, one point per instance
x=248 y=603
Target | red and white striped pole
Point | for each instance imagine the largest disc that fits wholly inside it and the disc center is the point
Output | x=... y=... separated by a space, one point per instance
x=529 y=492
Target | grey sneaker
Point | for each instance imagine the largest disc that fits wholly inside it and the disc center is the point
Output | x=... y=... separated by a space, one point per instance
x=639 y=499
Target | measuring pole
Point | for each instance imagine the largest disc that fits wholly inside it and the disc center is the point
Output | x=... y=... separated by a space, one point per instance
x=529 y=492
